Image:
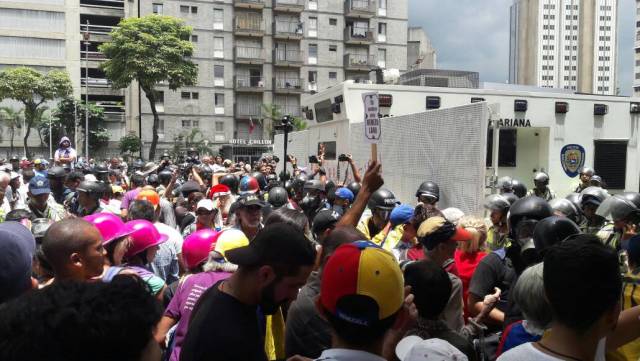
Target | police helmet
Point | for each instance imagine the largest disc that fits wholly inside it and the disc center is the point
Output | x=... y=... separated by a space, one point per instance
x=164 y=176
x=541 y=177
x=314 y=184
x=57 y=172
x=519 y=188
x=429 y=189
x=525 y=213
x=565 y=208
x=382 y=199
x=587 y=171
x=618 y=208
x=278 y=197
x=262 y=180
x=230 y=181
x=354 y=187
x=553 y=230
x=505 y=184
x=511 y=197
x=91 y=188
x=593 y=195
x=497 y=202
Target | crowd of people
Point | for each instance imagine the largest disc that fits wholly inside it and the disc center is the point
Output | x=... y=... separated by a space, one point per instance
x=201 y=258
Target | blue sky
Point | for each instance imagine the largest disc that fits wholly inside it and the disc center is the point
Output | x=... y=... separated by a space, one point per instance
x=474 y=35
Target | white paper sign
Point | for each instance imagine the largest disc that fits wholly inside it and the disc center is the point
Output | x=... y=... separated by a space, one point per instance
x=372 y=127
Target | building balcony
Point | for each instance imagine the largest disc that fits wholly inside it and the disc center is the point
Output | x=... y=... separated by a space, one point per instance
x=104 y=3
x=288 y=85
x=363 y=9
x=95 y=82
x=249 y=4
x=357 y=36
x=248 y=55
x=248 y=108
x=249 y=84
x=292 y=110
x=359 y=62
x=288 y=30
x=290 y=6
x=288 y=58
x=92 y=55
x=248 y=26
x=97 y=29
x=114 y=117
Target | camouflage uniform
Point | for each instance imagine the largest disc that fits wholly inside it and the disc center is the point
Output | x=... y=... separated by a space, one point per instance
x=547 y=195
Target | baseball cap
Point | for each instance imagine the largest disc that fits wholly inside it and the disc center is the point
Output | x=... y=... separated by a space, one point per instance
x=250 y=199
x=361 y=284
x=117 y=189
x=324 y=219
x=149 y=196
x=13 y=175
x=206 y=204
x=277 y=243
x=39 y=185
x=189 y=187
x=414 y=348
x=17 y=247
x=401 y=214
x=230 y=239
x=436 y=230
x=219 y=190
x=344 y=193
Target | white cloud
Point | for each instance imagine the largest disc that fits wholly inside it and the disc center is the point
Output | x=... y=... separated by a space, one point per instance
x=474 y=35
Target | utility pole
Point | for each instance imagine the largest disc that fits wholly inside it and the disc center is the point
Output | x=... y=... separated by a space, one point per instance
x=86 y=93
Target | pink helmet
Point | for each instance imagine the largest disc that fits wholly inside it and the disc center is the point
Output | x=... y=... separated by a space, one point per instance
x=111 y=227
x=145 y=235
x=197 y=245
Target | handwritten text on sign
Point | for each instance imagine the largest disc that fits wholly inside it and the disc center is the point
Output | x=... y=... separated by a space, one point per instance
x=372 y=127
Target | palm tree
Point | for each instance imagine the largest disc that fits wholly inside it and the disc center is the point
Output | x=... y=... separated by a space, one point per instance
x=12 y=120
x=273 y=114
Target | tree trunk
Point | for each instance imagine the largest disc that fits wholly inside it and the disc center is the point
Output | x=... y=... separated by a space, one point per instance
x=156 y=122
x=12 y=132
x=29 y=115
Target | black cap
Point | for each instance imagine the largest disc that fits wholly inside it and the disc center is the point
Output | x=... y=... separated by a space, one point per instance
x=56 y=172
x=250 y=200
x=326 y=218
x=189 y=187
x=278 y=243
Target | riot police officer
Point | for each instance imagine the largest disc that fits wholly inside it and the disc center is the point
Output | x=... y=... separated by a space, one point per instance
x=89 y=194
x=498 y=234
x=428 y=195
x=585 y=177
x=590 y=200
x=376 y=226
x=541 y=189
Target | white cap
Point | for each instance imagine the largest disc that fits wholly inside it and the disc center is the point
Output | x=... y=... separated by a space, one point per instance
x=413 y=348
x=206 y=204
x=13 y=175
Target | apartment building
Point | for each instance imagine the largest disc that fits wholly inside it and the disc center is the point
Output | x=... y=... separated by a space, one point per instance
x=567 y=44
x=420 y=52
x=256 y=52
x=636 y=81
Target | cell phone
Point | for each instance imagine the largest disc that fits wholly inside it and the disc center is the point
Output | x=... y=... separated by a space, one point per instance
x=313 y=159
x=343 y=158
x=276 y=159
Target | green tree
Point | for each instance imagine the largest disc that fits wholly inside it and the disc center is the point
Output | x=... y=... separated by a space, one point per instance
x=130 y=144
x=63 y=123
x=150 y=49
x=33 y=89
x=190 y=139
x=12 y=120
x=273 y=114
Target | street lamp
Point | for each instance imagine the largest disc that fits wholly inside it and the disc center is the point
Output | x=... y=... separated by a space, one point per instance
x=286 y=127
x=50 y=139
x=86 y=37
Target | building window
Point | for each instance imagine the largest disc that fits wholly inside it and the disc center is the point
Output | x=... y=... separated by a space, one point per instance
x=313 y=81
x=184 y=9
x=382 y=58
x=333 y=75
x=333 y=22
x=194 y=38
x=219 y=100
x=186 y=123
x=160 y=101
x=185 y=95
x=313 y=54
x=218 y=47
x=507 y=148
x=218 y=75
x=382 y=32
x=218 y=19
x=382 y=7
x=313 y=4
x=160 y=125
x=195 y=95
x=157 y=9
x=312 y=26
x=610 y=162
x=333 y=53
x=220 y=127
x=194 y=9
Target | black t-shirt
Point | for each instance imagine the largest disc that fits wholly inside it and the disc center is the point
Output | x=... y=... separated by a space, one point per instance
x=223 y=328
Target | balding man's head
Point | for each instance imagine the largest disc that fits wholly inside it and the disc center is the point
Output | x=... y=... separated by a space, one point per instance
x=4 y=180
x=74 y=249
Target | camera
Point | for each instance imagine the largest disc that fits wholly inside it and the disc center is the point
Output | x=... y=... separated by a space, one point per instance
x=343 y=158
x=313 y=159
x=276 y=159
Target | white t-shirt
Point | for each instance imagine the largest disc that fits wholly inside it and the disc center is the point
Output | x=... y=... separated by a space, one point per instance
x=528 y=352
x=174 y=236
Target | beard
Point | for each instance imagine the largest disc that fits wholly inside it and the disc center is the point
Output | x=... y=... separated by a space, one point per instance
x=268 y=303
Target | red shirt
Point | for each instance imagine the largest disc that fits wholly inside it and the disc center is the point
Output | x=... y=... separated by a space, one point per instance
x=466 y=264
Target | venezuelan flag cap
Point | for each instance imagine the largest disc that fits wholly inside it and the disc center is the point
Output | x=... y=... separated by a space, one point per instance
x=362 y=284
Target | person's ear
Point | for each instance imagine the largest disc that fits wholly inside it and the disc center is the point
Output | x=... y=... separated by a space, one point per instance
x=266 y=275
x=75 y=259
x=34 y=283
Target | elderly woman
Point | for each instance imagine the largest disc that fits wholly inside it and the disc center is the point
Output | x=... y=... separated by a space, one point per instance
x=469 y=254
x=527 y=294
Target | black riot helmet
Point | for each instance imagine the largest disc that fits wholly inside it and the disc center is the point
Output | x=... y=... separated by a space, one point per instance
x=429 y=189
x=511 y=197
x=620 y=207
x=550 y=231
x=164 y=177
x=354 y=187
x=230 y=181
x=299 y=181
x=152 y=179
x=593 y=195
x=138 y=164
x=565 y=208
x=100 y=169
x=288 y=185
x=262 y=180
x=519 y=188
x=505 y=184
x=93 y=189
x=278 y=197
x=524 y=214
x=56 y=172
x=497 y=202
x=575 y=199
x=382 y=199
x=541 y=177
x=314 y=184
x=272 y=181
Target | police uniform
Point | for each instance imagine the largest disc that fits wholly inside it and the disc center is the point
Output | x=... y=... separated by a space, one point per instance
x=363 y=227
x=588 y=226
x=495 y=240
x=547 y=195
